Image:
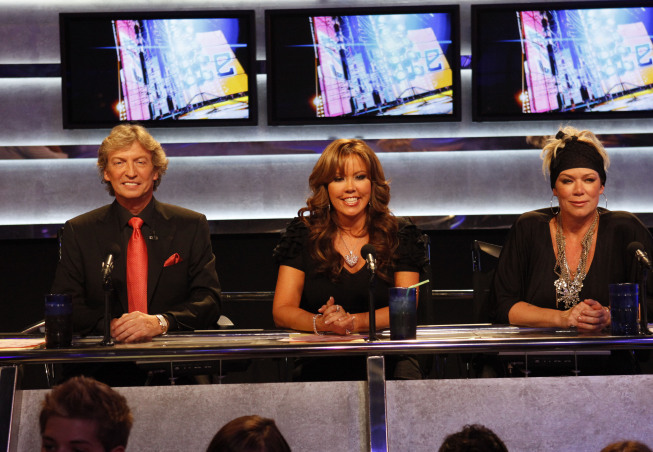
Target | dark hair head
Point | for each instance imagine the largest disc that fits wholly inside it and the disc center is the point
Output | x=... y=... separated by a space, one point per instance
x=473 y=438
x=332 y=161
x=249 y=434
x=123 y=136
x=626 y=446
x=86 y=398
x=322 y=222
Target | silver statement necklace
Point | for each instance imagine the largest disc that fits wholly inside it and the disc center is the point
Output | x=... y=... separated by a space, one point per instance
x=351 y=258
x=567 y=289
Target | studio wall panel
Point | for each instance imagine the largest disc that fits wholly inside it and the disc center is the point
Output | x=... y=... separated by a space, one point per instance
x=275 y=187
x=480 y=182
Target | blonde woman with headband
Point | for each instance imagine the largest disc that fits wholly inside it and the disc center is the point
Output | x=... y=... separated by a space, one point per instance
x=556 y=265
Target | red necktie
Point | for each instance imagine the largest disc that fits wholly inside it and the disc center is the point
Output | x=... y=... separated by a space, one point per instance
x=137 y=268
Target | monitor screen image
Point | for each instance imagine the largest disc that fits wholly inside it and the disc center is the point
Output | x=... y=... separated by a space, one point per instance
x=555 y=60
x=158 y=69
x=349 y=66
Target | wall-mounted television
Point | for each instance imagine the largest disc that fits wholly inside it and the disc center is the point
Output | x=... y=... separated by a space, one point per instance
x=363 y=65
x=189 y=68
x=562 y=61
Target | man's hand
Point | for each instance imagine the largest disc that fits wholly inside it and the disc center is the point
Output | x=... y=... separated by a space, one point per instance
x=135 y=327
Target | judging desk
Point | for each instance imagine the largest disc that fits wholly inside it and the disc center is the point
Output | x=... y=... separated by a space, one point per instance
x=381 y=413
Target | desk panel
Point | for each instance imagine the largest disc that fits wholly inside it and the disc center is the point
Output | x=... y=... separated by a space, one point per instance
x=414 y=409
x=529 y=414
x=244 y=344
x=185 y=418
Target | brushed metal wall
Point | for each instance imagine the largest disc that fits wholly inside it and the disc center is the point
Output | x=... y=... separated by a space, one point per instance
x=483 y=182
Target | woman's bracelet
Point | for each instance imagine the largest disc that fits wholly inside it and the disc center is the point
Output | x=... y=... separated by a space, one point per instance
x=315 y=324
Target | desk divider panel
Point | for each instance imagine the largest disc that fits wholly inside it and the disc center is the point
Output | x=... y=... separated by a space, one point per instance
x=311 y=416
x=543 y=414
x=528 y=414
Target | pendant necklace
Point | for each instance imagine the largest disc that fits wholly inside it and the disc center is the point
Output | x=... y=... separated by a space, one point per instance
x=568 y=288
x=350 y=258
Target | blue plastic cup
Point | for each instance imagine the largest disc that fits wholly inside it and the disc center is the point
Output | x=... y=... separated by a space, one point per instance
x=403 y=313
x=58 y=321
x=624 y=309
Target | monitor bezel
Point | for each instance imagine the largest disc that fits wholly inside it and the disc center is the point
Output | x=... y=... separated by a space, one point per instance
x=479 y=116
x=247 y=18
x=454 y=63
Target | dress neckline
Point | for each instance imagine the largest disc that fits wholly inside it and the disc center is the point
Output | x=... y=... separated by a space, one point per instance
x=597 y=247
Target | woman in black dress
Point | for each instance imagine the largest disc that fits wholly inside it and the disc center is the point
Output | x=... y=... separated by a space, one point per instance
x=323 y=282
x=557 y=263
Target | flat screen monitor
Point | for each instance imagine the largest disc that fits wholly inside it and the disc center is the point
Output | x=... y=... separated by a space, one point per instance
x=562 y=60
x=160 y=69
x=363 y=65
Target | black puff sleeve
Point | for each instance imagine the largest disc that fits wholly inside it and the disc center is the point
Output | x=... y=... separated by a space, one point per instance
x=412 y=250
x=290 y=249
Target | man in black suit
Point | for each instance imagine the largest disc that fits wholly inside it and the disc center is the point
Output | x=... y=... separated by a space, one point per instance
x=183 y=292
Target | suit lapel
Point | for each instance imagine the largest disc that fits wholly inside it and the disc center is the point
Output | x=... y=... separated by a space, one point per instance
x=159 y=248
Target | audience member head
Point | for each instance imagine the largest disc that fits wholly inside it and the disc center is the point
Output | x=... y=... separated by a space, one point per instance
x=84 y=413
x=473 y=438
x=626 y=446
x=249 y=434
x=122 y=137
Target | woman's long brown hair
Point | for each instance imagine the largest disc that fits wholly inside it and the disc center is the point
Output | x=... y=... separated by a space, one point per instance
x=322 y=222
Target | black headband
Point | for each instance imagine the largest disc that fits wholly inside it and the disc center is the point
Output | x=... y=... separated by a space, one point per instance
x=576 y=154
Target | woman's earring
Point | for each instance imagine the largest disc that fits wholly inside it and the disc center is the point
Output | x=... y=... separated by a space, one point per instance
x=606 y=201
x=551 y=203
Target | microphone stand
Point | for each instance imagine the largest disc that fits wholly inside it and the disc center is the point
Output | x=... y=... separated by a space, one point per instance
x=643 y=305
x=108 y=288
x=372 y=332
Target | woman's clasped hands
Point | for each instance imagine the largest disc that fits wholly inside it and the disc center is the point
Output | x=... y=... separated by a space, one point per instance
x=588 y=315
x=336 y=319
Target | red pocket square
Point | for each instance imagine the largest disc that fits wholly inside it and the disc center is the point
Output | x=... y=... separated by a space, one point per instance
x=172 y=260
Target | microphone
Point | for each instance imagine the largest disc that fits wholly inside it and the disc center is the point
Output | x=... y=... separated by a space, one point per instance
x=107 y=264
x=637 y=249
x=643 y=258
x=369 y=254
x=107 y=285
